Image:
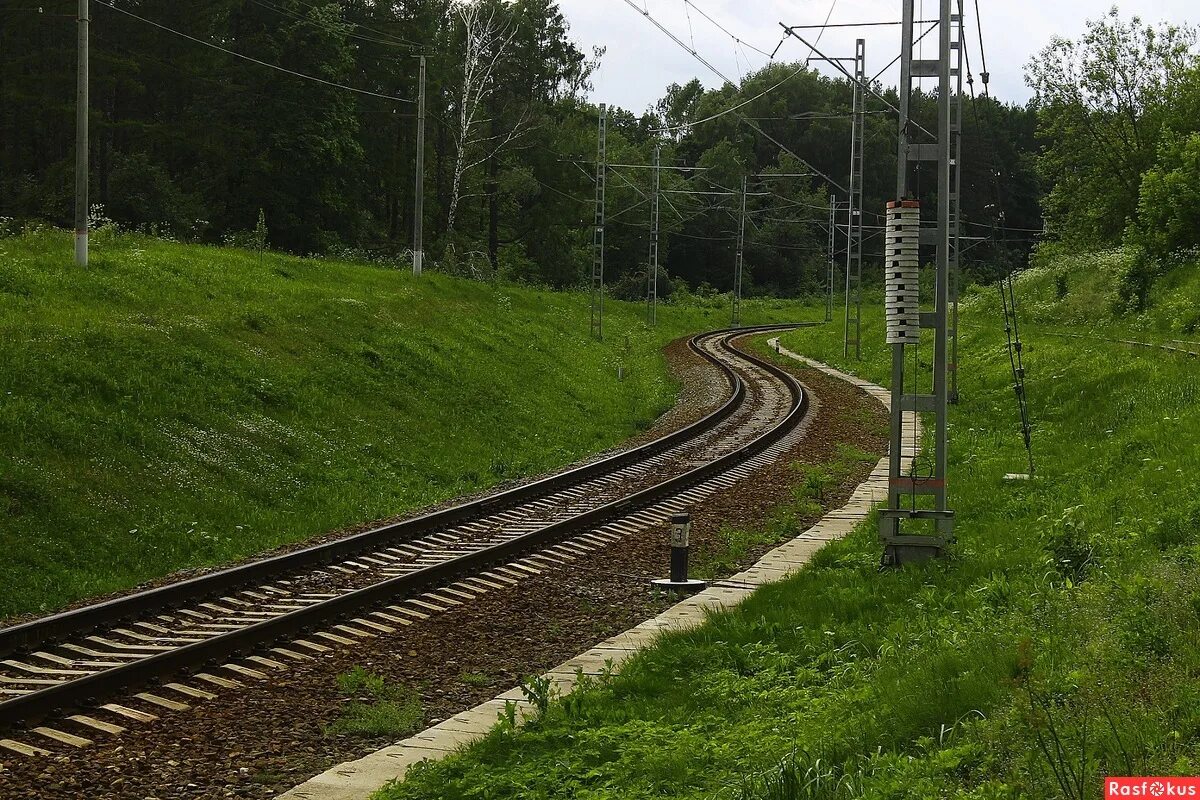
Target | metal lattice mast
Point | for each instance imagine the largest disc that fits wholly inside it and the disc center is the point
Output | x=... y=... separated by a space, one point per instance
x=652 y=269
x=853 y=331
x=831 y=265
x=598 y=230
x=956 y=110
x=901 y=546
x=739 y=260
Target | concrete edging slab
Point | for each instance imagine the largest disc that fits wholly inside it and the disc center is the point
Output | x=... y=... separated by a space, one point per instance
x=358 y=780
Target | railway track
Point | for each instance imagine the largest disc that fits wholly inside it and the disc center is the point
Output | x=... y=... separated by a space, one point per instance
x=294 y=607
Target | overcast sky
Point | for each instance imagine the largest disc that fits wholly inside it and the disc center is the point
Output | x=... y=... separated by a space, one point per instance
x=641 y=61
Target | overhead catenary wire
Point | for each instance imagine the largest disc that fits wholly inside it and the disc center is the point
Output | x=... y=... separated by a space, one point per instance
x=737 y=39
x=376 y=31
x=892 y=63
x=695 y=54
x=866 y=85
x=303 y=18
x=260 y=62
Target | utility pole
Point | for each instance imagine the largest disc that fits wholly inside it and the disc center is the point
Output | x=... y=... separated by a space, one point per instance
x=830 y=265
x=652 y=269
x=739 y=261
x=598 y=230
x=419 y=203
x=853 y=331
x=81 y=141
x=905 y=320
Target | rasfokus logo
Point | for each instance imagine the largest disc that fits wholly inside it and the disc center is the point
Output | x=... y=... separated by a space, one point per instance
x=1151 y=787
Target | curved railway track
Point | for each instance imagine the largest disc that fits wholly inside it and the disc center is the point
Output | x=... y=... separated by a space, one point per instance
x=298 y=605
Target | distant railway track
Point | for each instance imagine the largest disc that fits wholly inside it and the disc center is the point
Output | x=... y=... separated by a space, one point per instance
x=295 y=606
x=1181 y=347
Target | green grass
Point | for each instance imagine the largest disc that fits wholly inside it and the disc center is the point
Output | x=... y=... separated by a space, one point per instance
x=376 y=708
x=1057 y=644
x=476 y=679
x=176 y=406
x=1093 y=289
x=810 y=485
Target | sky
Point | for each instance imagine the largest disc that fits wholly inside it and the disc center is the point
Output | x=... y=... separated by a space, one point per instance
x=641 y=61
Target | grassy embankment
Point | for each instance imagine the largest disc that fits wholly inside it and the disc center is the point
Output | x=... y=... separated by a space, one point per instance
x=1058 y=644
x=175 y=406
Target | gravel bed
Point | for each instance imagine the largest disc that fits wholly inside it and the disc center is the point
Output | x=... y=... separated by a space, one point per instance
x=259 y=741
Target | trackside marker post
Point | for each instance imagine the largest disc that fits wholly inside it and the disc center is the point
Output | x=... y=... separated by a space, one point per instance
x=681 y=529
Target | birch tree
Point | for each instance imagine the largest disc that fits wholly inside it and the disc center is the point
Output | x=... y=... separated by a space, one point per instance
x=488 y=35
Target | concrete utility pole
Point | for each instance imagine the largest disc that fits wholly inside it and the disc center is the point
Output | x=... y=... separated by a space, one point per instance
x=81 y=141
x=598 y=230
x=419 y=202
x=853 y=331
x=830 y=265
x=739 y=261
x=900 y=547
x=652 y=269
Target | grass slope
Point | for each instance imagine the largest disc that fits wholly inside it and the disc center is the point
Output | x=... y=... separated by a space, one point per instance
x=1057 y=645
x=175 y=406
x=1098 y=289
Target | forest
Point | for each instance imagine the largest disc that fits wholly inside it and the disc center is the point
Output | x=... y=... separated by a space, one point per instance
x=209 y=115
x=193 y=142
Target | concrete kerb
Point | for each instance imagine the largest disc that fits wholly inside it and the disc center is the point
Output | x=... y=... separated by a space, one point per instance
x=358 y=780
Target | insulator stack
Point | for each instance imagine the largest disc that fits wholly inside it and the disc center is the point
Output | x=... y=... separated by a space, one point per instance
x=901 y=270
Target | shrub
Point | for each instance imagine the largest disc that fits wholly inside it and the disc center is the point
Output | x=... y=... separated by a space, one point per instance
x=632 y=286
x=1170 y=193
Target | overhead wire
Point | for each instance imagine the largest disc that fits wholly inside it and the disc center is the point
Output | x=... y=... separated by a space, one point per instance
x=695 y=54
x=737 y=39
x=376 y=31
x=303 y=18
x=260 y=62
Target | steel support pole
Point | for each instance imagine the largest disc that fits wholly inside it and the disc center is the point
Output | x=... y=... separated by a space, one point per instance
x=891 y=526
x=419 y=195
x=652 y=269
x=901 y=546
x=829 y=288
x=739 y=260
x=956 y=201
x=598 y=230
x=853 y=329
x=81 y=139
x=942 y=282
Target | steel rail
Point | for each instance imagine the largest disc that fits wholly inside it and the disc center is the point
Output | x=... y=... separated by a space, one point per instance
x=41 y=703
x=86 y=618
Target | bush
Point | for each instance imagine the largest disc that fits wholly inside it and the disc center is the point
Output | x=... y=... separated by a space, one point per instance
x=632 y=286
x=1170 y=194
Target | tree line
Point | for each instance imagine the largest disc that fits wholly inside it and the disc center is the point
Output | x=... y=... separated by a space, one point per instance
x=318 y=133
